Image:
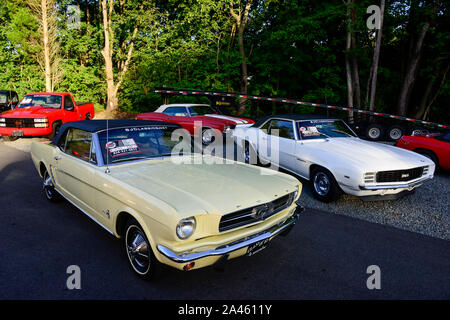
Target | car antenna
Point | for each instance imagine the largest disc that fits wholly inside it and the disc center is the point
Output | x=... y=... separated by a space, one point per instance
x=106 y=145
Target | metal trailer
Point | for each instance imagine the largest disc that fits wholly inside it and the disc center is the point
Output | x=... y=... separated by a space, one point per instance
x=366 y=123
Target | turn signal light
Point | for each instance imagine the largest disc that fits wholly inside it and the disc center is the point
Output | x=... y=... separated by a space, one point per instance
x=189 y=266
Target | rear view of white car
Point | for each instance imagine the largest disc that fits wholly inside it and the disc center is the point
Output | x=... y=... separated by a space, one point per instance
x=328 y=153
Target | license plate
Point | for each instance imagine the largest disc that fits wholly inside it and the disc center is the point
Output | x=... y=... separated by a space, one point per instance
x=257 y=247
x=17 y=133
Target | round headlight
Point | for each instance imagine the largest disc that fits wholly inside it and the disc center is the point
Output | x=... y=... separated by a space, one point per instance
x=185 y=228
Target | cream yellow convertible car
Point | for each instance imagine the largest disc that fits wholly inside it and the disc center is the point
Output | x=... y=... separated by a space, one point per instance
x=138 y=180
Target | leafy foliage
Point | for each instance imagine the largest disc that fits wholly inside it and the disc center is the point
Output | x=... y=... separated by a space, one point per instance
x=293 y=49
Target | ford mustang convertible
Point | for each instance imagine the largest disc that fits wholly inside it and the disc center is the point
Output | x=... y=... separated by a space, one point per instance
x=328 y=153
x=139 y=181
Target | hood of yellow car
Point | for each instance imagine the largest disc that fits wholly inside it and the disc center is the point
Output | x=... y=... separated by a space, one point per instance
x=194 y=188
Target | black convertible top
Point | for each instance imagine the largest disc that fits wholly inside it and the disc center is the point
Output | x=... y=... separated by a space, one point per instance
x=103 y=124
x=293 y=116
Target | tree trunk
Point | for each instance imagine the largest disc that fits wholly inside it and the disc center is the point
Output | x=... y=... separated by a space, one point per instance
x=355 y=69
x=426 y=102
x=411 y=72
x=241 y=19
x=112 y=104
x=244 y=79
x=348 y=67
x=376 y=58
x=111 y=100
x=47 y=72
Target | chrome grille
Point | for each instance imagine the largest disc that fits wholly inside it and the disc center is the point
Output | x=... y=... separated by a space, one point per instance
x=254 y=214
x=19 y=122
x=399 y=175
x=369 y=177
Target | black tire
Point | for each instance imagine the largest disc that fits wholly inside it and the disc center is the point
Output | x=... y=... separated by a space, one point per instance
x=324 y=185
x=395 y=132
x=430 y=155
x=49 y=190
x=55 y=129
x=139 y=251
x=250 y=155
x=87 y=116
x=374 y=132
x=9 y=138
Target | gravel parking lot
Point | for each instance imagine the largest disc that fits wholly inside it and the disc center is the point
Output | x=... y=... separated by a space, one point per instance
x=427 y=211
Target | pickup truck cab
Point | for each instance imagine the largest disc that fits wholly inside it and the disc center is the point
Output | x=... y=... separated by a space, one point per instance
x=42 y=114
x=8 y=100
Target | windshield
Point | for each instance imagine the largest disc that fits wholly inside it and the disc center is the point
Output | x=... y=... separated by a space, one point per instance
x=201 y=110
x=41 y=100
x=320 y=129
x=142 y=142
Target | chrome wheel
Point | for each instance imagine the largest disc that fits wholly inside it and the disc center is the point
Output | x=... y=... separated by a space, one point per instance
x=137 y=249
x=395 y=134
x=207 y=136
x=374 y=133
x=322 y=183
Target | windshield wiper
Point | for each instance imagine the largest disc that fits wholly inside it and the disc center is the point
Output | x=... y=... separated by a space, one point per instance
x=126 y=159
x=339 y=131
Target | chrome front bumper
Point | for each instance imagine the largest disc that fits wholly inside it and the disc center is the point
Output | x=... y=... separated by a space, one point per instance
x=396 y=186
x=235 y=245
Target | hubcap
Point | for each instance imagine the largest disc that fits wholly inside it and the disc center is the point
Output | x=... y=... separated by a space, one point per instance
x=207 y=136
x=137 y=250
x=395 y=134
x=321 y=183
x=374 y=133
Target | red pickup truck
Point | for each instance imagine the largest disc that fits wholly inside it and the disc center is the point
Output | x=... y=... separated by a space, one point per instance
x=41 y=114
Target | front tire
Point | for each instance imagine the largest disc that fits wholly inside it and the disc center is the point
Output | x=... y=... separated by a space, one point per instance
x=430 y=155
x=207 y=136
x=9 y=138
x=139 y=251
x=55 y=129
x=324 y=186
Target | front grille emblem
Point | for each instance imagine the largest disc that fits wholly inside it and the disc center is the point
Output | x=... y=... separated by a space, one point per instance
x=260 y=212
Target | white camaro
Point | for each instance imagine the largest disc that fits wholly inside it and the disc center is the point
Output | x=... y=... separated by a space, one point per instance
x=328 y=153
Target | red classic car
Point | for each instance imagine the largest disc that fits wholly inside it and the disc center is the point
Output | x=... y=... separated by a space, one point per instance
x=41 y=114
x=187 y=115
x=434 y=146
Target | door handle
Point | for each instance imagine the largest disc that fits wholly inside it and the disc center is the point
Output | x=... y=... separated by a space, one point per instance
x=58 y=158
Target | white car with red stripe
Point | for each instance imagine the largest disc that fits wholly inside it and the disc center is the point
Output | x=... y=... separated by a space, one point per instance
x=195 y=118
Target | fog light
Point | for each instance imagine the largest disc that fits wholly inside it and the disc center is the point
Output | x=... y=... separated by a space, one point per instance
x=189 y=266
